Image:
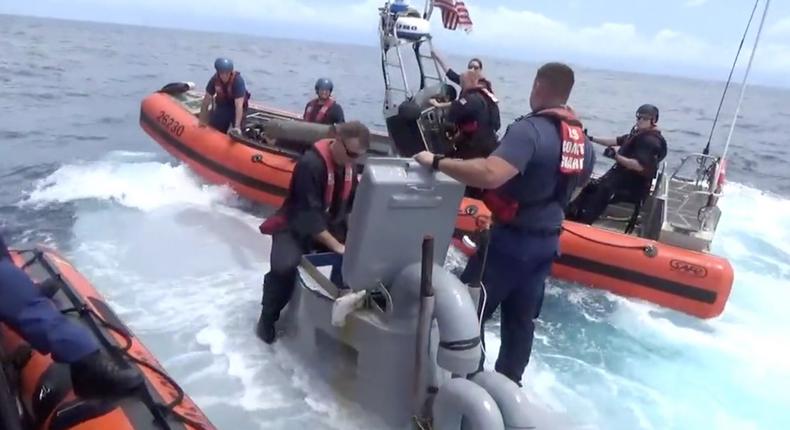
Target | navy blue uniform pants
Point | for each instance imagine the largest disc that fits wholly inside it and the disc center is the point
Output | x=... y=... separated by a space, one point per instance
x=514 y=278
x=222 y=118
x=614 y=187
x=31 y=314
x=279 y=283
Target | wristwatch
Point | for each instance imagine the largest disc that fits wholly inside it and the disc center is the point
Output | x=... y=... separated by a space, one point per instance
x=436 y=159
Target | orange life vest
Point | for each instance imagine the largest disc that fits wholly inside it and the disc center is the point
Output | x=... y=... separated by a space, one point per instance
x=223 y=91
x=505 y=208
x=348 y=179
x=278 y=222
x=312 y=112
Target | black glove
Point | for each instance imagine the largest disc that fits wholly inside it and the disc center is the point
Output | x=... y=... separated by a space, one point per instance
x=609 y=152
x=590 y=138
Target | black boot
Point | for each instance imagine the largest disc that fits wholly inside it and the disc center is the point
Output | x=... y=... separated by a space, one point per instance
x=265 y=329
x=97 y=375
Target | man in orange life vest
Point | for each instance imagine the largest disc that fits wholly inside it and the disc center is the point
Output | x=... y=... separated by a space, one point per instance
x=636 y=156
x=230 y=96
x=528 y=179
x=313 y=216
x=475 y=115
x=324 y=109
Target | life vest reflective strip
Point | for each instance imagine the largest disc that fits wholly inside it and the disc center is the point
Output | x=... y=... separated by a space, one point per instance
x=505 y=208
x=223 y=91
x=489 y=95
x=320 y=114
x=278 y=222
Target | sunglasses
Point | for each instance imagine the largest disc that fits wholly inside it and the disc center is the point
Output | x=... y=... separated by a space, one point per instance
x=350 y=154
x=643 y=118
x=473 y=67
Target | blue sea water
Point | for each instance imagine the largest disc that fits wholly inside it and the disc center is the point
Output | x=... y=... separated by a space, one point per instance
x=181 y=260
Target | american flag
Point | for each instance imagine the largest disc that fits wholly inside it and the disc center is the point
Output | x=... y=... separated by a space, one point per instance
x=454 y=13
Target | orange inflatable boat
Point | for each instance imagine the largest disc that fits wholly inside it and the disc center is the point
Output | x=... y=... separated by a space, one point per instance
x=656 y=251
x=693 y=282
x=35 y=391
x=257 y=165
x=663 y=258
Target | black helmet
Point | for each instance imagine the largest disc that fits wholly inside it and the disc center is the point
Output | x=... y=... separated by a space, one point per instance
x=323 y=84
x=648 y=110
x=223 y=65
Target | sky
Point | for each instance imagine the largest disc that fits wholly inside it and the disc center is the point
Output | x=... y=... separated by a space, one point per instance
x=695 y=38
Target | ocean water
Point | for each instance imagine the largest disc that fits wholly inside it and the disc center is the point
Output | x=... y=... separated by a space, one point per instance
x=182 y=262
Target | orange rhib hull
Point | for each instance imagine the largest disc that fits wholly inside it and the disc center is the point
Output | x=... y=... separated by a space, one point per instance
x=43 y=386
x=689 y=281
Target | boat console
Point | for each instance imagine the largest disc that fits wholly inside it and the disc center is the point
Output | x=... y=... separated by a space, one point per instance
x=391 y=328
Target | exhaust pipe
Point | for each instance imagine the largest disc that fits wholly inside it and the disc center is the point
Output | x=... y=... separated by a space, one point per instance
x=462 y=401
x=456 y=316
x=509 y=398
x=459 y=332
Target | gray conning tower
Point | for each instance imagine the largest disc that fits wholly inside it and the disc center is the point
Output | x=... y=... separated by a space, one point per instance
x=415 y=324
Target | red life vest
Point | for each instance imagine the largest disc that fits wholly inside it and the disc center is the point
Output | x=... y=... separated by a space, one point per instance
x=278 y=222
x=223 y=91
x=312 y=112
x=504 y=208
x=348 y=179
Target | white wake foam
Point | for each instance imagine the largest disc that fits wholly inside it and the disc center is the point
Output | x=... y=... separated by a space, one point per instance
x=143 y=185
x=185 y=272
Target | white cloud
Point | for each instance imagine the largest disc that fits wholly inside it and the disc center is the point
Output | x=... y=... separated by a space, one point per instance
x=780 y=29
x=621 y=45
x=348 y=16
x=499 y=30
x=522 y=29
x=773 y=58
x=352 y=15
